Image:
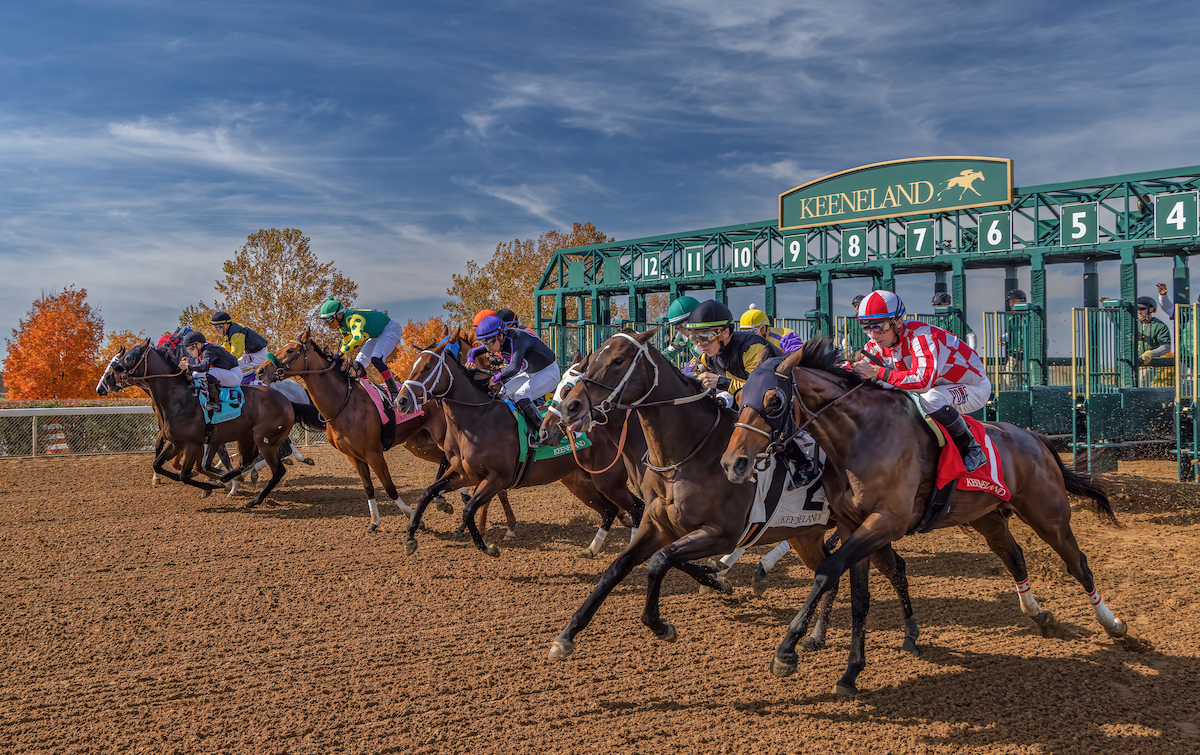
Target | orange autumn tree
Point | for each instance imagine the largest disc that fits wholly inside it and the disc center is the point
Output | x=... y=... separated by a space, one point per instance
x=54 y=350
x=417 y=335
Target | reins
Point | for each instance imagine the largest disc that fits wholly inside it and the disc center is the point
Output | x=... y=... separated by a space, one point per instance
x=281 y=370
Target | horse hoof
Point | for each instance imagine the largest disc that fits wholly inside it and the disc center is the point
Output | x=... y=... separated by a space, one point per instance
x=586 y=553
x=1119 y=630
x=560 y=649
x=372 y=528
x=910 y=647
x=410 y=547
x=492 y=550
x=205 y=493
x=725 y=585
x=254 y=477
x=308 y=461
x=812 y=644
x=287 y=460
x=1044 y=620
x=668 y=633
x=510 y=535
x=782 y=669
x=759 y=587
x=842 y=689
x=444 y=506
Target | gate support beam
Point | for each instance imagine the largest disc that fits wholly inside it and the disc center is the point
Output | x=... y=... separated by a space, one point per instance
x=1129 y=293
x=1182 y=280
x=1037 y=335
x=958 y=295
x=769 y=297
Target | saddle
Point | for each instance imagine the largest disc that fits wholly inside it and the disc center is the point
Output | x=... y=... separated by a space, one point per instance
x=524 y=459
x=232 y=401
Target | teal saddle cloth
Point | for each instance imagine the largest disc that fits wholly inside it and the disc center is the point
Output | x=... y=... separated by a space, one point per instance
x=232 y=401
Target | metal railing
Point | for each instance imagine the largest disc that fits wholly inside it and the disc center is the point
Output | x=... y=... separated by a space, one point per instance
x=93 y=430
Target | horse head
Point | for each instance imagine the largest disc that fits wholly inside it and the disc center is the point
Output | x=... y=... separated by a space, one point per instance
x=622 y=371
x=430 y=377
x=552 y=429
x=108 y=381
x=765 y=414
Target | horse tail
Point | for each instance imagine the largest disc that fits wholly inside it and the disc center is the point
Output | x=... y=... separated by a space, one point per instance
x=307 y=415
x=1081 y=485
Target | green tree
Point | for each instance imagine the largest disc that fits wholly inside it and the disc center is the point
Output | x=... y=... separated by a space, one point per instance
x=510 y=279
x=275 y=285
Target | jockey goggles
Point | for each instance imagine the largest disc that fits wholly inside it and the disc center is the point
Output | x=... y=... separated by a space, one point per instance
x=878 y=326
x=704 y=336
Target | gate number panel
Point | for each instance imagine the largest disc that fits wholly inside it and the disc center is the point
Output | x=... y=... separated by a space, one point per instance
x=1175 y=215
x=918 y=239
x=995 y=232
x=854 y=245
x=1079 y=224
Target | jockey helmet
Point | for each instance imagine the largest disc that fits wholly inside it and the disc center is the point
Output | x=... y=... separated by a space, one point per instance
x=482 y=314
x=680 y=309
x=331 y=308
x=507 y=316
x=753 y=319
x=488 y=327
x=880 y=305
x=709 y=315
x=192 y=338
x=1147 y=302
x=856 y=301
x=220 y=318
x=942 y=299
x=1016 y=293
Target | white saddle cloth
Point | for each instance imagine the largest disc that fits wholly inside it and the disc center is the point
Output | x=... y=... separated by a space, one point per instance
x=799 y=507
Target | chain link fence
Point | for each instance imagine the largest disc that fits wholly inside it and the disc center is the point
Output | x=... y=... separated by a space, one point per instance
x=94 y=430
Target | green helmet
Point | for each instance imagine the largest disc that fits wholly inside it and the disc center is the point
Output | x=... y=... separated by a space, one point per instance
x=331 y=308
x=680 y=309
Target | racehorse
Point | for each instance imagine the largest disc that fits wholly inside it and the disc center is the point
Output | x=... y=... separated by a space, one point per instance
x=889 y=456
x=481 y=444
x=352 y=422
x=693 y=510
x=264 y=423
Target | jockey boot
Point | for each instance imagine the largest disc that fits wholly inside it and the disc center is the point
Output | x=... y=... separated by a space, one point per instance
x=972 y=455
x=532 y=418
x=212 y=394
x=392 y=388
x=804 y=468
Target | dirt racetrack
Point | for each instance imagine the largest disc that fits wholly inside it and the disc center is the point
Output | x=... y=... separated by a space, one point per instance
x=139 y=619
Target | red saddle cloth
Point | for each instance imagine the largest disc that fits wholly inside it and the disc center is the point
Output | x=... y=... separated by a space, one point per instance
x=989 y=478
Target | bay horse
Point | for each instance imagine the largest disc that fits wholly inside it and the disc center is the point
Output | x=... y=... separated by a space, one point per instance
x=889 y=456
x=263 y=426
x=481 y=445
x=693 y=510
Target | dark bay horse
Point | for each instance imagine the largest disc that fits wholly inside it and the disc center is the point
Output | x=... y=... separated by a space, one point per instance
x=264 y=425
x=889 y=456
x=693 y=510
x=481 y=444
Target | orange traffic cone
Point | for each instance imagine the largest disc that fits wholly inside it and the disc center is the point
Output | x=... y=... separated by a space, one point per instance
x=55 y=440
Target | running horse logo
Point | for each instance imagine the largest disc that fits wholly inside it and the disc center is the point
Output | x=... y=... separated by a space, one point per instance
x=964 y=181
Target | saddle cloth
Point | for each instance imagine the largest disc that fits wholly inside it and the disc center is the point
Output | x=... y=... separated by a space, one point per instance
x=775 y=505
x=232 y=400
x=383 y=404
x=543 y=452
x=989 y=478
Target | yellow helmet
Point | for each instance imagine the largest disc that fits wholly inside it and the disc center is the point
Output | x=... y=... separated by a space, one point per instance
x=753 y=319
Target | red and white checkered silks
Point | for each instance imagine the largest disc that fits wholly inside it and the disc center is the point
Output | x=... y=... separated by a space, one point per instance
x=926 y=356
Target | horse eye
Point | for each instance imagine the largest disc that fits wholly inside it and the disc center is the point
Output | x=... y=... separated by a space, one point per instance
x=619 y=360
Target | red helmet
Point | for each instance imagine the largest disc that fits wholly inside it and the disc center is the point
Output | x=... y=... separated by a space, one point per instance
x=880 y=305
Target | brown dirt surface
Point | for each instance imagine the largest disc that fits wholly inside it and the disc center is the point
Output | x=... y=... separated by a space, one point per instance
x=139 y=619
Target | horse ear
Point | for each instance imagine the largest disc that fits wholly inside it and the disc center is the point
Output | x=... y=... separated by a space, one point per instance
x=446 y=330
x=790 y=363
x=304 y=335
x=645 y=336
x=763 y=355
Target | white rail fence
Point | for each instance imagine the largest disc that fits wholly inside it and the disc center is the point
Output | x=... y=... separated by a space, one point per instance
x=92 y=430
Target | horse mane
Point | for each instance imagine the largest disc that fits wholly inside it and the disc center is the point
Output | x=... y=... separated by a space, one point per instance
x=687 y=379
x=822 y=353
x=338 y=360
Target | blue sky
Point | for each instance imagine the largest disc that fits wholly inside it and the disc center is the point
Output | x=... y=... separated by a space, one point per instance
x=141 y=142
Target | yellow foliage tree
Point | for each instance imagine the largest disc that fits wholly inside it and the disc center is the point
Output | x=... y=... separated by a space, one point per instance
x=275 y=285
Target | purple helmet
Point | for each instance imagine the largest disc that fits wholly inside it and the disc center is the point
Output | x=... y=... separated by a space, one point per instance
x=488 y=327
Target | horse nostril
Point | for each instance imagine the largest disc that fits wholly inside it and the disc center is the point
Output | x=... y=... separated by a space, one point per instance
x=739 y=466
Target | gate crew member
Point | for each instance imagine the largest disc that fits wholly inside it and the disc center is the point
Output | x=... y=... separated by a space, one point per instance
x=756 y=321
x=532 y=371
x=249 y=347
x=1153 y=335
x=210 y=361
x=374 y=331
x=928 y=360
x=730 y=356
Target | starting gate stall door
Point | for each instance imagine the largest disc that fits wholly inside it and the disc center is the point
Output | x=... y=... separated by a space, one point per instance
x=566 y=341
x=1095 y=391
x=1187 y=391
x=1006 y=358
x=850 y=335
x=802 y=327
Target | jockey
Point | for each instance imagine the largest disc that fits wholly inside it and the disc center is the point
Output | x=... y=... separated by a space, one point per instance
x=677 y=315
x=918 y=357
x=730 y=357
x=208 y=360
x=249 y=347
x=509 y=318
x=756 y=320
x=480 y=315
x=532 y=371
x=374 y=331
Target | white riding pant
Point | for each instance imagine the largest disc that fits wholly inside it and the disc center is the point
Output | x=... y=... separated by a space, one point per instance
x=381 y=345
x=964 y=398
x=535 y=386
x=252 y=360
x=227 y=378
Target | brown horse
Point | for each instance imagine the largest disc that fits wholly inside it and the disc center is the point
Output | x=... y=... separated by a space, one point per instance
x=693 y=511
x=263 y=426
x=352 y=423
x=878 y=438
x=482 y=447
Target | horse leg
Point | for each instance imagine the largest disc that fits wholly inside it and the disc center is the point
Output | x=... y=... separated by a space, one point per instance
x=445 y=482
x=1052 y=523
x=163 y=450
x=364 y=474
x=442 y=504
x=271 y=455
x=190 y=455
x=483 y=493
x=696 y=544
x=583 y=487
x=890 y=565
x=994 y=528
x=378 y=463
x=860 y=605
x=643 y=546
x=811 y=549
x=511 y=534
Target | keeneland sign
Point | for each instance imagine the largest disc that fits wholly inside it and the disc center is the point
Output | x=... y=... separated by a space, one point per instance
x=900 y=187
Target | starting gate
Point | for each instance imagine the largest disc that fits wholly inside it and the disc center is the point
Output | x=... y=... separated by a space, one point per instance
x=1187 y=392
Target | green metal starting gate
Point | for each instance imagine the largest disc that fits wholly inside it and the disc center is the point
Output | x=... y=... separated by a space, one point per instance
x=1187 y=391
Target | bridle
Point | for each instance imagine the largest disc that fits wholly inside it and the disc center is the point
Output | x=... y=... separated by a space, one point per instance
x=302 y=351
x=124 y=377
x=435 y=375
